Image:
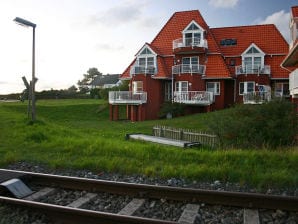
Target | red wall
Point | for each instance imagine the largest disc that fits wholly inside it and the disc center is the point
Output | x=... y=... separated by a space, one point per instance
x=155 y=94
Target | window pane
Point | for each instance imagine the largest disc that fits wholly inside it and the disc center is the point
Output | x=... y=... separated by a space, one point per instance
x=186 y=61
x=150 y=61
x=213 y=87
x=177 y=86
x=137 y=86
x=257 y=61
x=194 y=60
x=210 y=86
x=142 y=61
x=286 y=90
x=250 y=87
x=241 y=88
x=184 y=86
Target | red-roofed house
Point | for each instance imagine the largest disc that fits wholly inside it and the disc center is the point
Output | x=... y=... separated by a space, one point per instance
x=203 y=68
x=291 y=61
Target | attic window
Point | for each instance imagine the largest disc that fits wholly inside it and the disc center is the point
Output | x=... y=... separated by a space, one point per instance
x=228 y=42
x=193 y=27
x=146 y=51
x=193 y=34
x=253 y=50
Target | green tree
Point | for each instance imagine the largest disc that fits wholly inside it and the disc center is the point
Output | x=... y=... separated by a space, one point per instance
x=84 y=84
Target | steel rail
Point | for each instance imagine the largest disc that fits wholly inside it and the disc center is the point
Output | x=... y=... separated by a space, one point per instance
x=71 y=215
x=238 y=199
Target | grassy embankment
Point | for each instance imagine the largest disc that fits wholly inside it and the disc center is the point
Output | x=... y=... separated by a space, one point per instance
x=78 y=134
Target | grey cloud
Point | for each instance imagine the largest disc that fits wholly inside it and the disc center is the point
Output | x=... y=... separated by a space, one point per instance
x=119 y=15
x=223 y=3
x=281 y=20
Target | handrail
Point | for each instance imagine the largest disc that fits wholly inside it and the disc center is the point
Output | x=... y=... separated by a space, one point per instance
x=127 y=97
x=256 y=97
x=185 y=68
x=189 y=42
x=194 y=97
x=137 y=69
x=253 y=69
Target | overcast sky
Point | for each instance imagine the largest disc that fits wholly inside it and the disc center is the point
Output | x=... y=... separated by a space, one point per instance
x=75 y=35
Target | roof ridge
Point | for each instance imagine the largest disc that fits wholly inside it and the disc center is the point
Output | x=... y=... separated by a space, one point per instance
x=242 y=26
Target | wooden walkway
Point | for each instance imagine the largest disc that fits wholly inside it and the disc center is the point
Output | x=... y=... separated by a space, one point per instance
x=161 y=140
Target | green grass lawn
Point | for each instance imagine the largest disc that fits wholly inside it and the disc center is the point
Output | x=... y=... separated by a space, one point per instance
x=78 y=134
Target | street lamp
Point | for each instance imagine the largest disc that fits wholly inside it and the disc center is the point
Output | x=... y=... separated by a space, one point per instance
x=27 y=23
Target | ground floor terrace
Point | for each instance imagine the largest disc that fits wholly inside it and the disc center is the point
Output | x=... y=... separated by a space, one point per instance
x=146 y=103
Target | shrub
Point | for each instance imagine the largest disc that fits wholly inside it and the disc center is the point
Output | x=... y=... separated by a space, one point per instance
x=253 y=126
x=175 y=109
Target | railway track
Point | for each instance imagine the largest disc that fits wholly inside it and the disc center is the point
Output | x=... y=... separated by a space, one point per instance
x=87 y=197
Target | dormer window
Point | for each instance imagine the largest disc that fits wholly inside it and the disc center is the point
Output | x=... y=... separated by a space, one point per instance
x=253 y=59
x=145 y=62
x=193 y=34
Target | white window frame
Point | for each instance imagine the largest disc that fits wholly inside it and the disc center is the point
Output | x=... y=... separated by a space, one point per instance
x=137 y=86
x=283 y=89
x=245 y=87
x=168 y=91
x=179 y=84
x=215 y=88
x=147 y=56
x=245 y=55
x=199 y=31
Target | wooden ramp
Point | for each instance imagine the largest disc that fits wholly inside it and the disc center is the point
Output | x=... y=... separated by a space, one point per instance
x=161 y=140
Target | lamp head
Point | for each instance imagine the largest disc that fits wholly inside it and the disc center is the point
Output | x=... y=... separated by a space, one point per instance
x=24 y=22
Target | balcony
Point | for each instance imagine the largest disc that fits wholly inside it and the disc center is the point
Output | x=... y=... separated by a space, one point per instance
x=293 y=82
x=136 y=69
x=202 y=98
x=189 y=45
x=253 y=69
x=192 y=69
x=127 y=97
x=257 y=97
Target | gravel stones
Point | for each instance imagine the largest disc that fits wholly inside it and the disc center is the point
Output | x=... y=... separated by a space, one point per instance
x=161 y=209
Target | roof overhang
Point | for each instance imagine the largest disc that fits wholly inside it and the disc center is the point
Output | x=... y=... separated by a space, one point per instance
x=292 y=57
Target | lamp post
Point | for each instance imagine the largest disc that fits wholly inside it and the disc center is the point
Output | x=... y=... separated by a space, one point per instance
x=27 y=23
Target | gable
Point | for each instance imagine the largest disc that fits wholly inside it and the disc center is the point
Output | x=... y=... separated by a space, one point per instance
x=146 y=50
x=253 y=50
x=174 y=28
x=193 y=26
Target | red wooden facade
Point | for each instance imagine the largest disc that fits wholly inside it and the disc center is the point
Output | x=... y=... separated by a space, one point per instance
x=203 y=68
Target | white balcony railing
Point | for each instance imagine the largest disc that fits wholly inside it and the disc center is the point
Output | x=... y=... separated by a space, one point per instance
x=196 y=69
x=189 y=42
x=127 y=97
x=293 y=82
x=257 y=97
x=194 y=97
x=252 y=69
x=136 y=69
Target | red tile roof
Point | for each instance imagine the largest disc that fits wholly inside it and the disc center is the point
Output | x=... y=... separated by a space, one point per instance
x=266 y=37
x=172 y=30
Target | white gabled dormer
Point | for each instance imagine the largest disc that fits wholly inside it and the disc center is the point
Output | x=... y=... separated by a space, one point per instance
x=253 y=60
x=146 y=61
x=193 y=34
